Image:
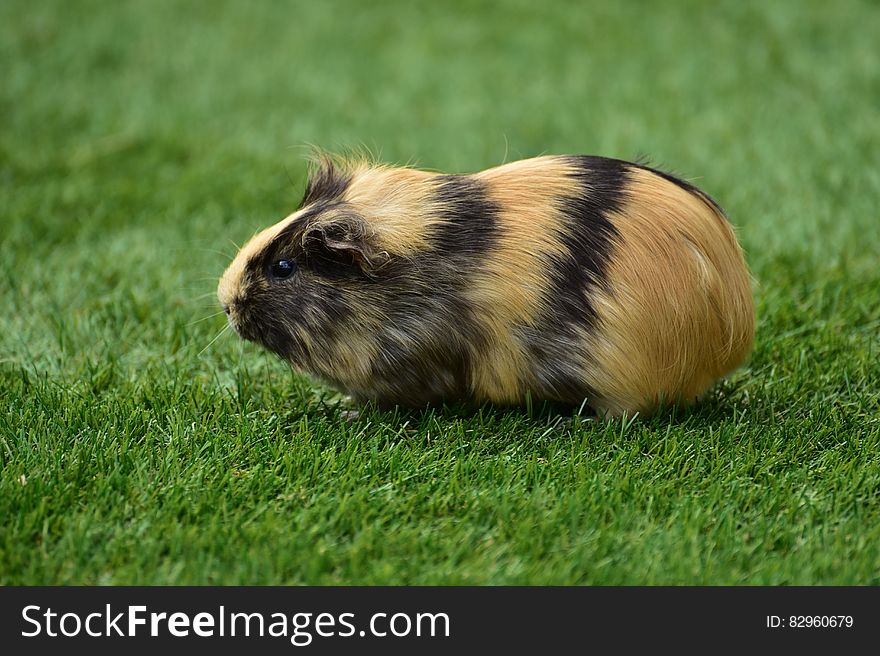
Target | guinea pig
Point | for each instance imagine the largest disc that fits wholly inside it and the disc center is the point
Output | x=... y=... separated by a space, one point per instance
x=580 y=280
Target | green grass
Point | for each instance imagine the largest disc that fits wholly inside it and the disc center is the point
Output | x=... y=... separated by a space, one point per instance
x=139 y=140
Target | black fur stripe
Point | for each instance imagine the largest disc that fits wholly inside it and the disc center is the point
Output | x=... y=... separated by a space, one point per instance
x=461 y=243
x=326 y=183
x=588 y=235
x=470 y=224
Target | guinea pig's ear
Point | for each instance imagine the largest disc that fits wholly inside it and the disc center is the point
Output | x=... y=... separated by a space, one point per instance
x=344 y=241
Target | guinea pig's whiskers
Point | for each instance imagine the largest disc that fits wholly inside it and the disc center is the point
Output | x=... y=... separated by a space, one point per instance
x=200 y=297
x=225 y=328
x=210 y=316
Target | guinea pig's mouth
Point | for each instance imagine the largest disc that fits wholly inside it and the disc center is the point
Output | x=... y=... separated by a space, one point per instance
x=251 y=329
x=250 y=325
x=245 y=329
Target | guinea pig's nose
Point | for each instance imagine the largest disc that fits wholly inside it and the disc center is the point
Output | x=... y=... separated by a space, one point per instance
x=226 y=309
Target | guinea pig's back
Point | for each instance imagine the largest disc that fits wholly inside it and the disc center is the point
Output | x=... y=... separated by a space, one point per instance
x=625 y=286
x=676 y=308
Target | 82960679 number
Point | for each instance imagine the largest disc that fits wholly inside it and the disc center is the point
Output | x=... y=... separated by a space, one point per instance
x=810 y=622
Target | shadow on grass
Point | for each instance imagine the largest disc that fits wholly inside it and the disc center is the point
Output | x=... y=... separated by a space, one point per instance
x=723 y=403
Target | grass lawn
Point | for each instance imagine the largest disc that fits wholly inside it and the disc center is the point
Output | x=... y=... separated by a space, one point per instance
x=140 y=140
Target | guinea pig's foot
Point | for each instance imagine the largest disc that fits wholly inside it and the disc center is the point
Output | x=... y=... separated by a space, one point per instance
x=349 y=415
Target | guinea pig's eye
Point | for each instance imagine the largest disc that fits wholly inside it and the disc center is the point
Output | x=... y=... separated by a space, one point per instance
x=282 y=269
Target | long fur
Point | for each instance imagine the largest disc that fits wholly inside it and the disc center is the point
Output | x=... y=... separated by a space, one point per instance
x=565 y=278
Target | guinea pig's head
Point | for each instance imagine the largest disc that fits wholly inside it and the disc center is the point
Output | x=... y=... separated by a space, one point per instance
x=317 y=287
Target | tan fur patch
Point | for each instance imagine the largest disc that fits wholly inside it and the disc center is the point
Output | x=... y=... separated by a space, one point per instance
x=680 y=311
x=393 y=202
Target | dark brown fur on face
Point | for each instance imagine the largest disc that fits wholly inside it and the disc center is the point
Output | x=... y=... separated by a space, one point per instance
x=565 y=278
